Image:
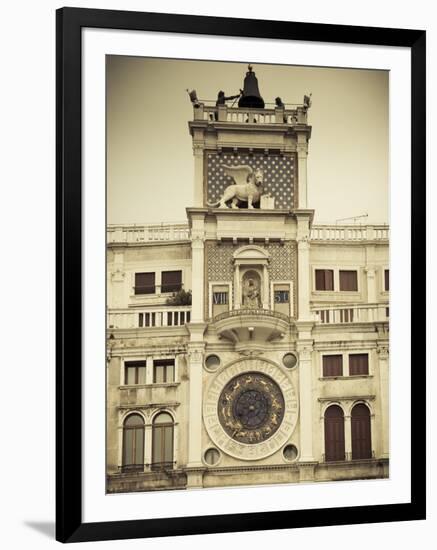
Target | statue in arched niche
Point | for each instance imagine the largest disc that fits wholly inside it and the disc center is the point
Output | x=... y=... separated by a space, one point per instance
x=251 y=291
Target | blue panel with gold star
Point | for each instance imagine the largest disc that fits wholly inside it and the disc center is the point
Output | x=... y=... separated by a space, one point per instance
x=278 y=175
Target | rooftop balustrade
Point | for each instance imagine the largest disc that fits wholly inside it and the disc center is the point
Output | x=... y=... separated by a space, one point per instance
x=150 y=233
x=241 y=115
x=167 y=232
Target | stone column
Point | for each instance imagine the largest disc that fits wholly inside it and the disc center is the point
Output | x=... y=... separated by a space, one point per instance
x=237 y=286
x=148 y=445
x=198 y=175
x=347 y=437
x=196 y=348
x=197 y=278
x=303 y=269
x=304 y=348
x=302 y=154
x=383 y=360
x=195 y=403
x=265 y=302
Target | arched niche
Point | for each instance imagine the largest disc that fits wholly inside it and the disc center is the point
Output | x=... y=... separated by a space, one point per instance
x=251 y=277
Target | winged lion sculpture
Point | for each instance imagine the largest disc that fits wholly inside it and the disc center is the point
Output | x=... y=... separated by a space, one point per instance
x=247 y=187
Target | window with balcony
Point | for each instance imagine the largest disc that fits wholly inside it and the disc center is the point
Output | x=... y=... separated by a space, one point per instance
x=324 y=279
x=348 y=280
x=163 y=371
x=144 y=283
x=332 y=365
x=171 y=281
x=135 y=372
x=358 y=364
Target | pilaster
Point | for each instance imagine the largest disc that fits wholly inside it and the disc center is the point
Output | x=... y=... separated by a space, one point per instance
x=302 y=154
x=197 y=219
x=196 y=349
x=383 y=361
x=198 y=175
x=348 y=437
x=304 y=219
x=304 y=346
x=371 y=285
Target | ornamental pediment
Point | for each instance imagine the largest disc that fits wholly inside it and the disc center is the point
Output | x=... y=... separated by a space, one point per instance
x=251 y=252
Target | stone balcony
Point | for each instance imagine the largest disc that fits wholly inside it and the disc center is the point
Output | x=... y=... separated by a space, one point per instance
x=354 y=313
x=250 y=328
x=149 y=317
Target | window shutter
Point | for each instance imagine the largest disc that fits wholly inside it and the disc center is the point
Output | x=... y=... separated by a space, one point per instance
x=348 y=280
x=386 y=279
x=358 y=364
x=171 y=281
x=361 y=432
x=334 y=434
x=332 y=365
x=324 y=279
x=144 y=283
x=320 y=279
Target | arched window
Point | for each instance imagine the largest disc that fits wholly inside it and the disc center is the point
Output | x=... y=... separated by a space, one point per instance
x=361 y=433
x=162 y=441
x=133 y=443
x=334 y=433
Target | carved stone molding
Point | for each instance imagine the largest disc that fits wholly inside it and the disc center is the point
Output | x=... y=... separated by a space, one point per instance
x=118 y=276
x=383 y=352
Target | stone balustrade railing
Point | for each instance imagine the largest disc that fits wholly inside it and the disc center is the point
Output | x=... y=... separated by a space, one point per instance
x=171 y=316
x=334 y=233
x=354 y=313
x=180 y=232
x=153 y=233
x=237 y=115
x=252 y=311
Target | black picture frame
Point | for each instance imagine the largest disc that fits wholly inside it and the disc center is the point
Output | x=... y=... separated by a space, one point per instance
x=70 y=22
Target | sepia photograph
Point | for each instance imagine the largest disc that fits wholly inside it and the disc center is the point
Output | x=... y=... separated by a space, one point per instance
x=248 y=274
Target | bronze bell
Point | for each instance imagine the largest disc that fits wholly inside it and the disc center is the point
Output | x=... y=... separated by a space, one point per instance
x=251 y=98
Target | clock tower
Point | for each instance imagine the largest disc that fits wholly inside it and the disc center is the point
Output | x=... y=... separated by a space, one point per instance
x=250 y=343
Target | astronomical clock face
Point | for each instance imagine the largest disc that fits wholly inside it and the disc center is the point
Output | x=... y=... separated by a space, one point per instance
x=250 y=409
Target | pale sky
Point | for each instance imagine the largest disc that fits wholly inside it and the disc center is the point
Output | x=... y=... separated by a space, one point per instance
x=149 y=148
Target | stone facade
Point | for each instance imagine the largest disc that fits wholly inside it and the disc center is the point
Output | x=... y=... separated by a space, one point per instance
x=275 y=370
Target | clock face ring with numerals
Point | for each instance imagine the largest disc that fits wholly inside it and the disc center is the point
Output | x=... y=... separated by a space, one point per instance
x=250 y=408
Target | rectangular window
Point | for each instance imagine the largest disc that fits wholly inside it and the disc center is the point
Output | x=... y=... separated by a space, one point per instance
x=324 y=279
x=358 y=364
x=171 y=281
x=220 y=298
x=348 y=280
x=282 y=296
x=163 y=371
x=144 y=283
x=135 y=372
x=386 y=280
x=332 y=365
